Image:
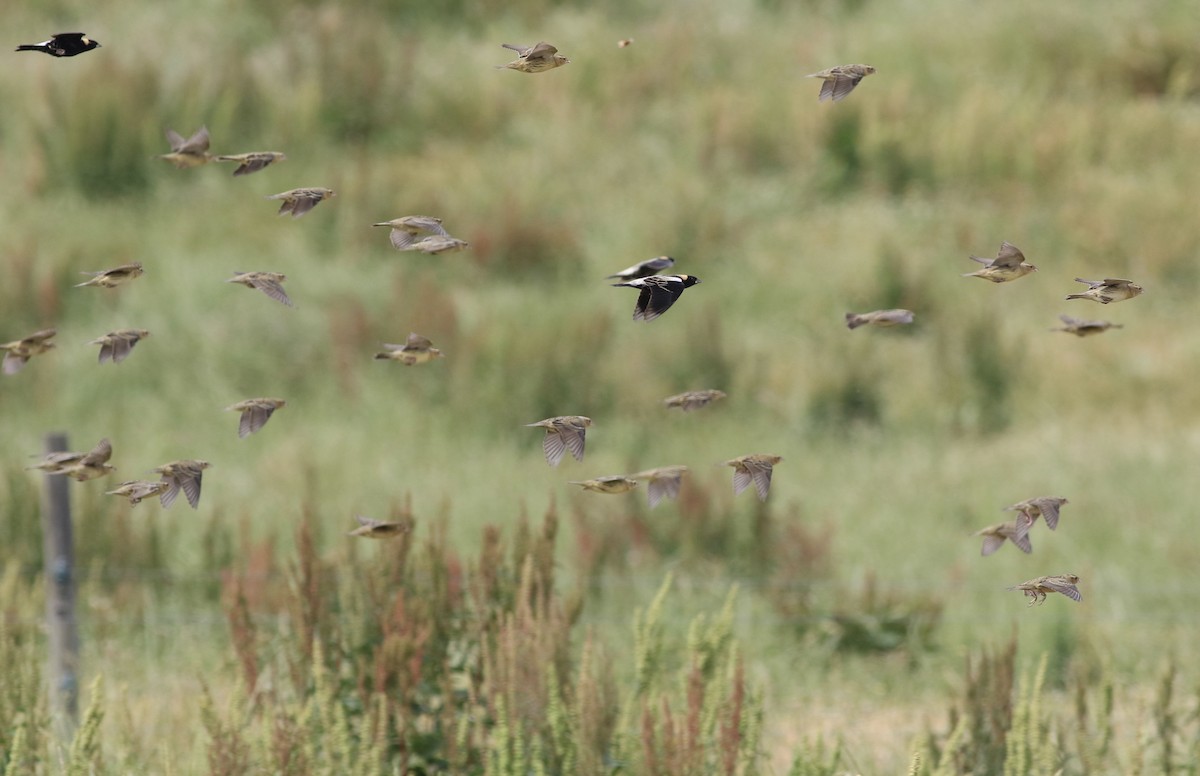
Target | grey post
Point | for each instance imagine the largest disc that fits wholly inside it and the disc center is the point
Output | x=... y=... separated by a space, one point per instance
x=59 y=558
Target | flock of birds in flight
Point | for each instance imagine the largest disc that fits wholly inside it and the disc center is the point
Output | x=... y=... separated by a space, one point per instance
x=426 y=234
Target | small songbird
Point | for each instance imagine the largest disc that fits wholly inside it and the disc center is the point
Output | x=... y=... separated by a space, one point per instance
x=300 y=201
x=406 y=228
x=756 y=468
x=1045 y=507
x=565 y=432
x=117 y=345
x=192 y=152
x=644 y=269
x=415 y=350
x=65 y=463
x=1108 y=290
x=111 y=278
x=840 y=81
x=692 y=400
x=18 y=352
x=378 y=529
x=625 y=43
x=662 y=482
x=436 y=243
x=1016 y=531
x=270 y=283
x=183 y=475
x=253 y=161
x=255 y=414
x=658 y=293
x=62 y=44
x=613 y=483
x=1009 y=264
x=534 y=59
x=93 y=464
x=136 y=490
x=1037 y=589
x=1082 y=328
x=882 y=318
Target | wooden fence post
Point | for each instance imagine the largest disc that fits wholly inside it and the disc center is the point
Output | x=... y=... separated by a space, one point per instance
x=59 y=558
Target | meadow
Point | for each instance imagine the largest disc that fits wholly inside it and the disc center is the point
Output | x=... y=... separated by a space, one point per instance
x=848 y=625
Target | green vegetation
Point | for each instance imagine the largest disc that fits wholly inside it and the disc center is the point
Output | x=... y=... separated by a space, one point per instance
x=822 y=633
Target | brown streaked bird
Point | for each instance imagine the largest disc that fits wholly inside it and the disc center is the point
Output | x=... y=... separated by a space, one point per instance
x=613 y=483
x=537 y=58
x=882 y=318
x=270 y=283
x=692 y=400
x=111 y=278
x=61 y=463
x=1082 y=328
x=756 y=468
x=93 y=464
x=185 y=475
x=255 y=414
x=117 y=345
x=62 y=44
x=300 y=201
x=137 y=490
x=436 y=243
x=658 y=293
x=1045 y=507
x=192 y=152
x=661 y=482
x=378 y=529
x=253 y=161
x=18 y=352
x=415 y=350
x=1108 y=290
x=565 y=432
x=625 y=43
x=1016 y=531
x=1009 y=264
x=406 y=228
x=1037 y=589
x=644 y=269
x=840 y=81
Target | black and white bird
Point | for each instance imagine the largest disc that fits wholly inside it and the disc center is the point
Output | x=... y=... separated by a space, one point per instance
x=658 y=293
x=64 y=44
x=644 y=269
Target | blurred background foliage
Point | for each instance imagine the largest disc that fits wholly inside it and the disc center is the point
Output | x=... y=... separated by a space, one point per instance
x=1068 y=129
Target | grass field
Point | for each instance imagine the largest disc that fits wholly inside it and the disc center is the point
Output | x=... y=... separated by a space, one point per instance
x=1068 y=129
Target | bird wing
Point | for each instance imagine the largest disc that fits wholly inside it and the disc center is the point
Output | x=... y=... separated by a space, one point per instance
x=417 y=342
x=554 y=447
x=196 y=144
x=573 y=438
x=762 y=480
x=191 y=487
x=540 y=50
x=273 y=289
x=1009 y=256
x=1022 y=542
x=1049 y=509
x=741 y=479
x=842 y=85
x=1061 y=586
x=991 y=543
x=658 y=294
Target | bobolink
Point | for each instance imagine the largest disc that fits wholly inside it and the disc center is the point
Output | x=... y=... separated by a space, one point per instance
x=66 y=463
x=1009 y=264
x=756 y=468
x=415 y=350
x=185 y=475
x=192 y=152
x=1038 y=589
x=62 y=44
x=300 y=201
x=436 y=243
x=253 y=161
x=534 y=59
x=613 y=483
x=1016 y=531
x=406 y=228
x=378 y=529
x=93 y=464
x=658 y=293
x=662 y=482
x=117 y=345
x=644 y=269
x=1045 y=507
x=270 y=283
x=111 y=278
x=692 y=400
x=565 y=432
x=1108 y=290
x=840 y=81
x=18 y=352
x=255 y=414
x=882 y=318
x=1082 y=328
x=137 y=490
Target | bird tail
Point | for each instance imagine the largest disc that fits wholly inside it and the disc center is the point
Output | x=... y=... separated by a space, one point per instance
x=971 y=275
x=853 y=321
x=1077 y=296
x=511 y=46
x=28 y=47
